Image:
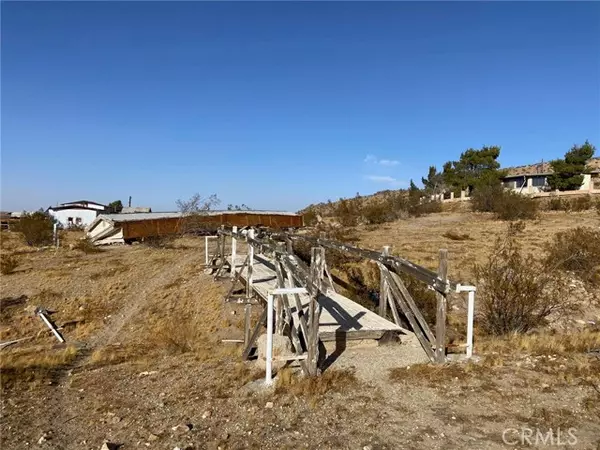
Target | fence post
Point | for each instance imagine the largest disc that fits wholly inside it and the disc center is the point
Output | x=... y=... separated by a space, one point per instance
x=250 y=264
x=440 y=319
x=383 y=288
x=314 y=309
x=233 y=251
x=288 y=245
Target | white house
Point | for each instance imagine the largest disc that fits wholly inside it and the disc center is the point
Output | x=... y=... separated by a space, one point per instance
x=80 y=213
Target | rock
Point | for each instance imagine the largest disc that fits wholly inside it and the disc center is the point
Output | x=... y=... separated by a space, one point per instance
x=206 y=414
x=281 y=348
x=115 y=419
x=183 y=428
x=146 y=373
x=153 y=437
x=109 y=446
x=269 y=405
x=43 y=439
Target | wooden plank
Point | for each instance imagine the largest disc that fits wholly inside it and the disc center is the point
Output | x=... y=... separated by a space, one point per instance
x=314 y=309
x=254 y=336
x=440 y=318
x=280 y=315
x=388 y=295
x=411 y=303
x=383 y=285
x=237 y=277
x=425 y=343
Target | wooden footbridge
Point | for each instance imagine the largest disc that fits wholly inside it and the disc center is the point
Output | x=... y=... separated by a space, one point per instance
x=300 y=301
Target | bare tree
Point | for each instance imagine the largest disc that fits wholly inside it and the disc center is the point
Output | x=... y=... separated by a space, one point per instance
x=193 y=210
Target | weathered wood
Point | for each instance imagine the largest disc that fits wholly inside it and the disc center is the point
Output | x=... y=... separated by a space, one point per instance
x=383 y=285
x=250 y=264
x=393 y=262
x=289 y=245
x=237 y=276
x=233 y=251
x=247 y=318
x=255 y=333
x=440 y=318
x=314 y=309
x=279 y=302
x=411 y=303
x=300 y=311
x=406 y=310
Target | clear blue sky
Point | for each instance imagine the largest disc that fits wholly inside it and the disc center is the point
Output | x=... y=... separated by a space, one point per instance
x=278 y=105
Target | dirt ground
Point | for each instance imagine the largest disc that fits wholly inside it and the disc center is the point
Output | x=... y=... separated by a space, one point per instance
x=144 y=365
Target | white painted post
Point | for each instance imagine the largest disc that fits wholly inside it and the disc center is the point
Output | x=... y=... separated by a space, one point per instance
x=55 y=234
x=470 y=314
x=233 y=251
x=206 y=250
x=463 y=195
x=269 y=349
x=451 y=195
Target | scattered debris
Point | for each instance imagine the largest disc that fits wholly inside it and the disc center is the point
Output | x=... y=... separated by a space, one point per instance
x=183 y=428
x=269 y=405
x=44 y=313
x=206 y=414
x=146 y=373
x=110 y=446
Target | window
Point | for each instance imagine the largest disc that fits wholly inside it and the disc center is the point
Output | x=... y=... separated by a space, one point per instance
x=70 y=220
x=538 y=181
x=78 y=220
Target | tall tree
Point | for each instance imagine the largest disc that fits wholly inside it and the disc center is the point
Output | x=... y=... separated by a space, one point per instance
x=472 y=165
x=568 y=172
x=434 y=183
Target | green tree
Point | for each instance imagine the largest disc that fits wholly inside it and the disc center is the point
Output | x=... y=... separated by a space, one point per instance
x=434 y=183
x=472 y=165
x=241 y=207
x=116 y=206
x=568 y=172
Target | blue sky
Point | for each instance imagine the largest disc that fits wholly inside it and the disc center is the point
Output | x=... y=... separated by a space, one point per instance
x=278 y=105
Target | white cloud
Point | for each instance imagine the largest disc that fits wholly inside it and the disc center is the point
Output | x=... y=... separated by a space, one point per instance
x=372 y=159
x=385 y=179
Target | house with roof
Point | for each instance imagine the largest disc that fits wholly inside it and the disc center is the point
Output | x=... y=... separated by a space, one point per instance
x=533 y=178
x=79 y=213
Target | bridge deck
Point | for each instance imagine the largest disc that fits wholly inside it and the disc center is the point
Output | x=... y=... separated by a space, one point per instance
x=341 y=318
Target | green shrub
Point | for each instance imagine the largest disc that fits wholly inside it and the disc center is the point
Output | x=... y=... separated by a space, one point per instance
x=8 y=263
x=486 y=195
x=377 y=213
x=310 y=217
x=37 y=228
x=577 y=251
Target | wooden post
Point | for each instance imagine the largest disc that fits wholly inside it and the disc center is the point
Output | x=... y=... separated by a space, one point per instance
x=289 y=246
x=383 y=289
x=279 y=301
x=314 y=309
x=440 y=319
x=222 y=243
x=250 y=265
x=233 y=252
x=248 y=316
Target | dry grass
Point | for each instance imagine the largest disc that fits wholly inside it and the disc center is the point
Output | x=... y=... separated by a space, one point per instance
x=33 y=364
x=541 y=344
x=315 y=387
x=8 y=264
x=455 y=236
x=86 y=246
x=436 y=374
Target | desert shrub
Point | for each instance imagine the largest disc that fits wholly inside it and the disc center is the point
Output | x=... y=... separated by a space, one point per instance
x=577 y=251
x=581 y=203
x=557 y=204
x=513 y=206
x=377 y=213
x=429 y=207
x=517 y=292
x=310 y=217
x=454 y=236
x=8 y=263
x=485 y=197
x=348 y=212
x=161 y=241
x=86 y=246
x=37 y=228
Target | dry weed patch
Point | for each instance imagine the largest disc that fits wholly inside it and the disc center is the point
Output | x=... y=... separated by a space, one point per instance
x=542 y=344
x=455 y=236
x=32 y=364
x=8 y=264
x=331 y=380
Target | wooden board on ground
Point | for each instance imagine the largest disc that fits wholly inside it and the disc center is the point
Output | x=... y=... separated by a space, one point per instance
x=341 y=318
